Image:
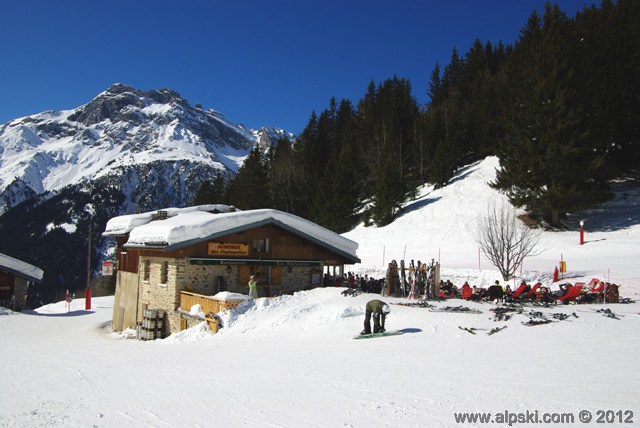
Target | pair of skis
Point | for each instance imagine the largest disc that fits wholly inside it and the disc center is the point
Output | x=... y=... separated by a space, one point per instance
x=473 y=330
x=456 y=309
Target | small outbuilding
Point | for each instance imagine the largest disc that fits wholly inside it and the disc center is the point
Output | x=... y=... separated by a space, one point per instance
x=15 y=278
x=208 y=249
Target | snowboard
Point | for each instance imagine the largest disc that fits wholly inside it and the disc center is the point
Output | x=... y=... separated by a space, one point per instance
x=372 y=335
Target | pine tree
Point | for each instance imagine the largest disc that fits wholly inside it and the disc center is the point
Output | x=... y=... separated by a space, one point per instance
x=249 y=189
x=547 y=163
x=210 y=193
x=337 y=198
x=286 y=179
x=387 y=119
x=607 y=43
x=205 y=194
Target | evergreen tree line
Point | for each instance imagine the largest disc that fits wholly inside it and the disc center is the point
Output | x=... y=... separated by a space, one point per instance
x=559 y=107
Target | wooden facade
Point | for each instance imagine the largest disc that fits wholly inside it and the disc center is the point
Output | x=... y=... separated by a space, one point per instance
x=266 y=242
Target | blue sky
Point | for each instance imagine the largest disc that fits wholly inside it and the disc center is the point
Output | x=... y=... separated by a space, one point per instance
x=260 y=63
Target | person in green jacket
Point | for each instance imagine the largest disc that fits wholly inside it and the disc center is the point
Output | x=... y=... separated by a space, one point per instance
x=379 y=310
x=253 y=287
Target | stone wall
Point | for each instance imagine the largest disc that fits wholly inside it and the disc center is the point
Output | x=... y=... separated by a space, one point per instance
x=296 y=280
x=202 y=279
x=155 y=292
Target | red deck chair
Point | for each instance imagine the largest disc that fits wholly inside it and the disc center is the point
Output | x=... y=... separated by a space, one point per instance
x=533 y=291
x=445 y=296
x=519 y=291
x=572 y=293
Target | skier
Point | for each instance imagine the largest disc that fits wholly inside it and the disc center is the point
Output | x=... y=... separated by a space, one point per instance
x=253 y=289
x=379 y=309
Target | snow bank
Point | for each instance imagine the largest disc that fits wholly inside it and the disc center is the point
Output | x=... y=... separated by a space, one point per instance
x=227 y=295
x=197 y=333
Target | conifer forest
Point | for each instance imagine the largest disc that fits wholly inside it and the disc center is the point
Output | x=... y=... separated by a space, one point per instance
x=560 y=107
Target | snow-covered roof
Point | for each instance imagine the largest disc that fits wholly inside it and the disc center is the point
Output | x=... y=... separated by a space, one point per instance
x=187 y=226
x=20 y=268
x=124 y=224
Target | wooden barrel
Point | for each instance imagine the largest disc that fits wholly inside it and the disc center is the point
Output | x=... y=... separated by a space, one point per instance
x=152 y=325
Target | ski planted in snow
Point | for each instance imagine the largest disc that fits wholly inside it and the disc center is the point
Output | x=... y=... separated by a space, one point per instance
x=413 y=278
x=403 y=279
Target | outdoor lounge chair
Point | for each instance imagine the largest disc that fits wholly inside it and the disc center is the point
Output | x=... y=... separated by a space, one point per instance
x=571 y=294
x=532 y=292
x=593 y=282
x=598 y=289
x=519 y=291
x=595 y=292
x=444 y=296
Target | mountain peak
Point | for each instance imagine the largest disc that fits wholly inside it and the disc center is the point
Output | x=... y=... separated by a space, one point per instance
x=113 y=103
x=122 y=128
x=119 y=88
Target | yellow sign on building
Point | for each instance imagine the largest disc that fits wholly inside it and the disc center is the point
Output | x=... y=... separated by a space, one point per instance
x=227 y=249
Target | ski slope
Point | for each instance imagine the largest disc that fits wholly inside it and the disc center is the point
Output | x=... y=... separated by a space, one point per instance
x=291 y=361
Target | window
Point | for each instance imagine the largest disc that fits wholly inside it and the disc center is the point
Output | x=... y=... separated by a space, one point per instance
x=164 y=272
x=261 y=245
x=146 y=269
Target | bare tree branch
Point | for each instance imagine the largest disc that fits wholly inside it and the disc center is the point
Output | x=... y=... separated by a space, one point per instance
x=505 y=240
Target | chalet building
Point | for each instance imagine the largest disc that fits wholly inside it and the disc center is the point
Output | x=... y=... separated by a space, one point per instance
x=207 y=249
x=15 y=278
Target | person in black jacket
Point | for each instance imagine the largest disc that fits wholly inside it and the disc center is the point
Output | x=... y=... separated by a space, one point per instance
x=495 y=292
x=379 y=310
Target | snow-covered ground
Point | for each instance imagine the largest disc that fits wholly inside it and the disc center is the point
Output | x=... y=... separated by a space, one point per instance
x=291 y=361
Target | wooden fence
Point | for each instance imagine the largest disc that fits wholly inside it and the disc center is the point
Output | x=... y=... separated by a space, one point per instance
x=208 y=304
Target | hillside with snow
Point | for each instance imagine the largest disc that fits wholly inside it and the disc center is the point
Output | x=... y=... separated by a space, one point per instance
x=439 y=224
x=291 y=361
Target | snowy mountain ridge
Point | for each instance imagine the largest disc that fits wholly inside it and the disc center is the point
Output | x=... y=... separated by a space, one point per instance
x=120 y=129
